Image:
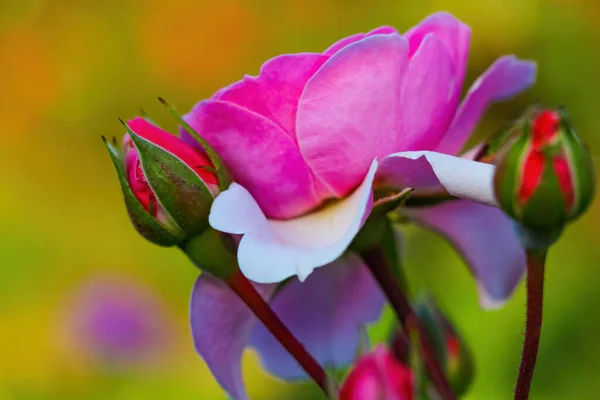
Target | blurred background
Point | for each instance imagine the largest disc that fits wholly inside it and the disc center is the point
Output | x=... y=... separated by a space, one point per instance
x=89 y=310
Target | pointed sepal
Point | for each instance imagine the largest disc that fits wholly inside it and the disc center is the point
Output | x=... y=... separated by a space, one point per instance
x=221 y=171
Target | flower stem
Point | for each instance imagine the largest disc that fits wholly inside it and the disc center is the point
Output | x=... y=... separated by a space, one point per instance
x=244 y=289
x=375 y=259
x=533 y=326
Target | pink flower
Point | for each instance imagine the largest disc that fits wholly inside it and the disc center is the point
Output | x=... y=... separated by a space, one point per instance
x=307 y=141
x=309 y=138
x=378 y=375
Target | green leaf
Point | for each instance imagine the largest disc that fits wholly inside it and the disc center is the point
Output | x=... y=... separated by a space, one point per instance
x=222 y=172
x=177 y=187
x=143 y=222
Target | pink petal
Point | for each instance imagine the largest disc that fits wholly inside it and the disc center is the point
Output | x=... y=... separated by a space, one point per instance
x=427 y=96
x=260 y=156
x=454 y=34
x=274 y=94
x=348 y=113
x=426 y=170
x=221 y=327
x=384 y=30
x=507 y=77
x=326 y=313
x=271 y=251
x=487 y=240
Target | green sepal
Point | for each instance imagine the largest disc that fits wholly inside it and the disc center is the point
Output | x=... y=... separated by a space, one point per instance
x=545 y=209
x=508 y=175
x=221 y=171
x=213 y=252
x=143 y=222
x=178 y=189
x=582 y=167
x=389 y=203
x=494 y=145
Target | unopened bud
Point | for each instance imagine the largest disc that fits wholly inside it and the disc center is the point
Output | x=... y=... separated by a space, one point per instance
x=378 y=375
x=168 y=185
x=451 y=350
x=544 y=177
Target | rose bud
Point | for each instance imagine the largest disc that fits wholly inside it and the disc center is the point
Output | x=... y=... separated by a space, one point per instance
x=545 y=176
x=378 y=375
x=451 y=350
x=168 y=185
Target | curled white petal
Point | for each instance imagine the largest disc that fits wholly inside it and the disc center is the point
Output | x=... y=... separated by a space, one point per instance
x=460 y=177
x=271 y=251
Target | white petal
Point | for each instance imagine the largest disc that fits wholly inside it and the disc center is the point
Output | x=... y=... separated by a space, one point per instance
x=430 y=170
x=271 y=251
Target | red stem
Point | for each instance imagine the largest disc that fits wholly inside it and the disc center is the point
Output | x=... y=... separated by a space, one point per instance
x=244 y=289
x=375 y=259
x=533 y=325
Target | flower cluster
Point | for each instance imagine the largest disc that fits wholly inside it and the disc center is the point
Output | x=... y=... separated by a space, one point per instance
x=285 y=189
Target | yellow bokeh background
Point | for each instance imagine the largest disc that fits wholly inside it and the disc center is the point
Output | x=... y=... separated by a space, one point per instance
x=69 y=69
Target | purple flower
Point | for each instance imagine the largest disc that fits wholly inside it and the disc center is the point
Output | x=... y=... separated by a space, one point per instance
x=117 y=322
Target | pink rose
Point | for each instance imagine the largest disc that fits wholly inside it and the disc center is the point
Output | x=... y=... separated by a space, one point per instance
x=309 y=139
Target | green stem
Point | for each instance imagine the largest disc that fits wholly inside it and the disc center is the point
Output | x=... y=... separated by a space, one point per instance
x=533 y=327
x=375 y=260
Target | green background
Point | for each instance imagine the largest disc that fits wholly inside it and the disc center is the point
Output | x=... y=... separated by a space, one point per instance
x=69 y=68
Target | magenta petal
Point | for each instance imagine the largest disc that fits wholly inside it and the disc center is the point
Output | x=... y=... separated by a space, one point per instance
x=326 y=313
x=221 y=327
x=274 y=94
x=337 y=46
x=260 y=156
x=454 y=34
x=487 y=240
x=506 y=77
x=348 y=113
x=427 y=96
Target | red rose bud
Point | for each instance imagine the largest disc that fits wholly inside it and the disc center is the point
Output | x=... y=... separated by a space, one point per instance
x=378 y=375
x=168 y=185
x=451 y=350
x=544 y=176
